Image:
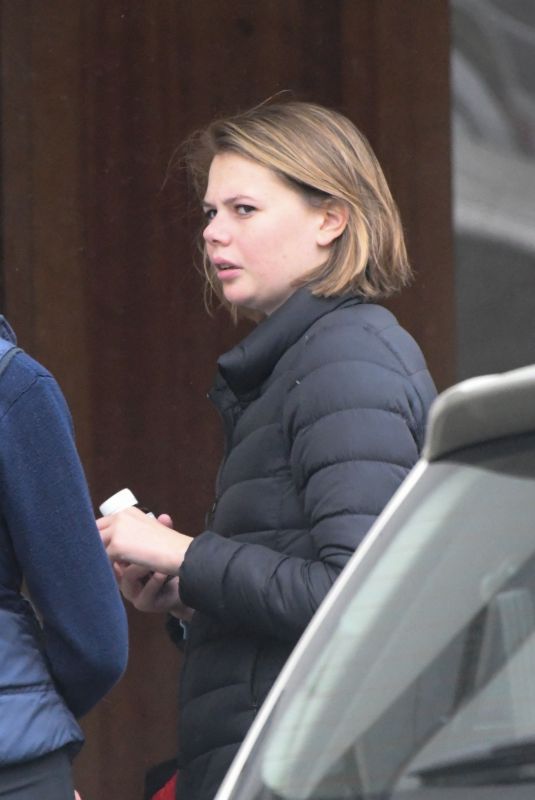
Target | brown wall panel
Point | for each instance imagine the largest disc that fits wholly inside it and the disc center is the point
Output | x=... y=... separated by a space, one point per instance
x=97 y=245
x=411 y=128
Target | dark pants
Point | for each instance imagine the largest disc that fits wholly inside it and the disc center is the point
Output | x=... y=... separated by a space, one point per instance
x=45 y=778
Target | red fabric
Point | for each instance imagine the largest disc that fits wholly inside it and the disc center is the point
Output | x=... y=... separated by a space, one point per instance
x=167 y=792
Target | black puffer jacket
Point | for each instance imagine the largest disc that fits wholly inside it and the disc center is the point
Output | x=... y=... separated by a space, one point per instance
x=324 y=406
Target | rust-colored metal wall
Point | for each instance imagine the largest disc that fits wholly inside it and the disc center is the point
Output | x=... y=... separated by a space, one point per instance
x=97 y=272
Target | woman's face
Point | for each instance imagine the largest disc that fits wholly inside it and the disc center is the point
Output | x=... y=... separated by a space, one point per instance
x=261 y=234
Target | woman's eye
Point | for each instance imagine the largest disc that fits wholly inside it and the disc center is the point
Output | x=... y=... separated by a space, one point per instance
x=242 y=209
x=209 y=214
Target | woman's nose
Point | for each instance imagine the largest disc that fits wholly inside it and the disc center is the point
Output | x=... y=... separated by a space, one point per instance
x=216 y=232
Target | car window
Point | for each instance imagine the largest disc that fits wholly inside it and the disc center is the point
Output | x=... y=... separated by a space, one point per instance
x=422 y=677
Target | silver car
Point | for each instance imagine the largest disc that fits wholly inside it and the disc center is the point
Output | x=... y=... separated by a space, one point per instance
x=416 y=678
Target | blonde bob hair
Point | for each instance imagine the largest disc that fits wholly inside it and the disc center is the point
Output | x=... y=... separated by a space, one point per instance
x=322 y=155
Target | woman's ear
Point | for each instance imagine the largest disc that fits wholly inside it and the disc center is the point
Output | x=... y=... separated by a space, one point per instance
x=334 y=221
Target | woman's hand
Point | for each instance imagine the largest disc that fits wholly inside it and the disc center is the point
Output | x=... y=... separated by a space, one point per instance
x=153 y=592
x=135 y=538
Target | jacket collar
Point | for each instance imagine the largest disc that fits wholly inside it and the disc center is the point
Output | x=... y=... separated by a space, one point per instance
x=246 y=366
x=6 y=331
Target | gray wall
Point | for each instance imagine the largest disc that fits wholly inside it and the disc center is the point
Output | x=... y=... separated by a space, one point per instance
x=493 y=115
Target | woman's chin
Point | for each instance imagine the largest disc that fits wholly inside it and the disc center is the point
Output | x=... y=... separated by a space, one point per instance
x=239 y=299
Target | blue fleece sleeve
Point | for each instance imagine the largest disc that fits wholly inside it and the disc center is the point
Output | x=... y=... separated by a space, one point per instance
x=47 y=510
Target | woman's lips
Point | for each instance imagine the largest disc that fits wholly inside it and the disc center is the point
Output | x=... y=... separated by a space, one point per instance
x=226 y=271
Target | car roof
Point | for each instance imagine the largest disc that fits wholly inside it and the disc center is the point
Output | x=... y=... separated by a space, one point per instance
x=479 y=410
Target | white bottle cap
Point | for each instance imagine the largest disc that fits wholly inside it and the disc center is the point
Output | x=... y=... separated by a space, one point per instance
x=117 y=502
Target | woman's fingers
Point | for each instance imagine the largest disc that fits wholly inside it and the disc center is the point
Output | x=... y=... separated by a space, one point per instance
x=153 y=593
x=136 y=538
x=133 y=580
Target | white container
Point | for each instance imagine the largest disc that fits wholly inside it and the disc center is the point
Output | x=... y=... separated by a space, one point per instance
x=119 y=501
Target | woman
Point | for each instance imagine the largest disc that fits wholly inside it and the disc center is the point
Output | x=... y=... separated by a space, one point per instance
x=57 y=664
x=324 y=407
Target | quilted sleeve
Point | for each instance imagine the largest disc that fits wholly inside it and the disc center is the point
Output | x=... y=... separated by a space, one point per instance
x=352 y=421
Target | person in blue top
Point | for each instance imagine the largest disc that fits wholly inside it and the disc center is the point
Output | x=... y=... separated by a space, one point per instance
x=63 y=630
x=323 y=406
